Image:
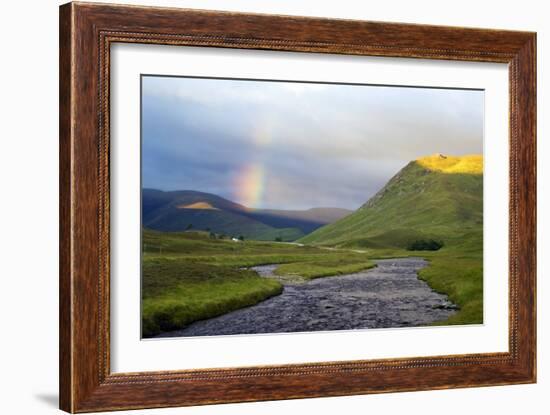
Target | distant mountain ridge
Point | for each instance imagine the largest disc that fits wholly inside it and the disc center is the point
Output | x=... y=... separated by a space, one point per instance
x=185 y=209
x=438 y=196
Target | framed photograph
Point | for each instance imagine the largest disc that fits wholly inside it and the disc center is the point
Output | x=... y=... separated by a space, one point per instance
x=259 y=207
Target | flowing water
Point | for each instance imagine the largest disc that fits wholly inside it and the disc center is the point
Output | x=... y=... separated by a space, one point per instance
x=390 y=295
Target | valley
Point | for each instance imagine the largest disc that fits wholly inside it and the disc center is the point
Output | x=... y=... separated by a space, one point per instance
x=201 y=253
x=191 y=210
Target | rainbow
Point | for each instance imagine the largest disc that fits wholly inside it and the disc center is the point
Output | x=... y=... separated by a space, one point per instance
x=249 y=185
x=250 y=180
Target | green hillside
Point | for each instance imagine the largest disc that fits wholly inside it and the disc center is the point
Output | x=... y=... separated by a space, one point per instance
x=436 y=198
x=190 y=276
x=177 y=218
x=434 y=203
x=178 y=211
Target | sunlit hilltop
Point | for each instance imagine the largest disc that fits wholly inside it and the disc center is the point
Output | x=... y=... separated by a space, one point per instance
x=470 y=164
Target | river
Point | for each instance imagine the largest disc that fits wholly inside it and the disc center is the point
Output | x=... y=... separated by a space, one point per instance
x=389 y=295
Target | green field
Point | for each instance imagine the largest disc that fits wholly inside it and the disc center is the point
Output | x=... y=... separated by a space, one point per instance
x=433 y=198
x=189 y=276
x=194 y=275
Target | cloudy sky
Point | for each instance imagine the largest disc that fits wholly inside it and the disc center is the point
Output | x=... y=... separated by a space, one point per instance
x=296 y=145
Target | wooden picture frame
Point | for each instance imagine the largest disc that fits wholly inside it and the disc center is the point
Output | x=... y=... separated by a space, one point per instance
x=86 y=33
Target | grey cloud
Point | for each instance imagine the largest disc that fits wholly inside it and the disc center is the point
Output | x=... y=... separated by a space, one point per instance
x=319 y=144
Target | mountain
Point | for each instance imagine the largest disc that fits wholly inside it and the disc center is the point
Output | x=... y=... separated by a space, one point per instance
x=436 y=197
x=305 y=220
x=176 y=210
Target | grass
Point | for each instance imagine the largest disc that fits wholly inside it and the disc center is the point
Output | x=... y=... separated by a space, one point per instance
x=200 y=243
x=197 y=277
x=176 y=293
x=472 y=164
x=456 y=271
x=335 y=264
x=417 y=203
x=189 y=276
x=208 y=212
x=462 y=283
x=432 y=198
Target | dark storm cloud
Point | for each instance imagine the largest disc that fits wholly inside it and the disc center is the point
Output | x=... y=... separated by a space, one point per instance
x=310 y=144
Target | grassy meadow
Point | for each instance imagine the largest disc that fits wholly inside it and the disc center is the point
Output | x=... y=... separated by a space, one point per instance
x=436 y=198
x=432 y=202
x=190 y=276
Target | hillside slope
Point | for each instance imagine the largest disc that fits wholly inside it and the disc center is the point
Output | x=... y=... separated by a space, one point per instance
x=178 y=210
x=305 y=220
x=435 y=197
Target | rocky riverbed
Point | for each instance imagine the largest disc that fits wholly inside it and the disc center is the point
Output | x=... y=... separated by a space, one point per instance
x=390 y=295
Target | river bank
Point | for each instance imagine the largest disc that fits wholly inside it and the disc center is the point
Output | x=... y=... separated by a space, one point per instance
x=390 y=295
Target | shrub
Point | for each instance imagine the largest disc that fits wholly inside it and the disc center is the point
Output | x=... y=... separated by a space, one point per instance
x=425 y=245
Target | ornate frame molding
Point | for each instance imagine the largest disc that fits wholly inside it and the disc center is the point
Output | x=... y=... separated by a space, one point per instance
x=86 y=33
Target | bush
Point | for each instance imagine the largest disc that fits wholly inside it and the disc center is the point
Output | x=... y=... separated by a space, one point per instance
x=278 y=239
x=425 y=245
